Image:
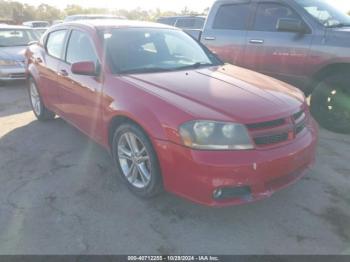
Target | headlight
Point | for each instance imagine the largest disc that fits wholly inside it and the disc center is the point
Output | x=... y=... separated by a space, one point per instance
x=210 y=135
x=7 y=62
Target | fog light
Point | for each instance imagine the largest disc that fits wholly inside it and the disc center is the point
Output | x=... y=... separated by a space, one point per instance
x=218 y=193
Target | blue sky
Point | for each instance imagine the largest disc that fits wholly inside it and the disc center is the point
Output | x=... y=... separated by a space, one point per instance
x=176 y=5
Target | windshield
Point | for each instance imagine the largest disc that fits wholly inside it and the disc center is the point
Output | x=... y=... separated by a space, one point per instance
x=325 y=12
x=141 y=50
x=16 y=37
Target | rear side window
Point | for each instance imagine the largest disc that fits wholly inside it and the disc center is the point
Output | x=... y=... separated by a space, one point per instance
x=268 y=14
x=232 y=17
x=80 y=48
x=55 y=43
x=190 y=23
x=167 y=21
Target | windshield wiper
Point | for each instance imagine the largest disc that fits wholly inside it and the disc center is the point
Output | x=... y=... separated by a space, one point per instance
x=194 y=66
x=161 y=69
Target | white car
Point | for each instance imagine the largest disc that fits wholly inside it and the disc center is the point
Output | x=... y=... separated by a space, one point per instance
x=35 y=24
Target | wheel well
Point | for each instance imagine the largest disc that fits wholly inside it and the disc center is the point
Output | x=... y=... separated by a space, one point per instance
x=115 y=123
x=330 y=70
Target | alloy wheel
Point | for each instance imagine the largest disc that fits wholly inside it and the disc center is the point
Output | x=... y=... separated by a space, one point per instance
x=35 y=99
x=134 y=160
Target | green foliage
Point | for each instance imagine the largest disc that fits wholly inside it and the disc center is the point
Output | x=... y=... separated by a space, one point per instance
x=18 y=12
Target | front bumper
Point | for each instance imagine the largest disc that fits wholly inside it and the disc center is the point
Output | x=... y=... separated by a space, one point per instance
x=195 y=175
x=12 y=73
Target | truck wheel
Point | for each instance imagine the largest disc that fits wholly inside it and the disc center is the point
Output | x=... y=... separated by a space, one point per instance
x=330 y=103
x=38 y=107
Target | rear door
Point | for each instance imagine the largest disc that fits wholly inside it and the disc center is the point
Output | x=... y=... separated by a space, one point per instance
x=48 y=67
x=226 y=30
x=279 y=54
x=80 y=94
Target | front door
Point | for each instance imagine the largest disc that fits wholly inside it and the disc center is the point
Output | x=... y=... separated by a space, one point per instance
x=80 y=94
x=279 y=54
x=225 y=34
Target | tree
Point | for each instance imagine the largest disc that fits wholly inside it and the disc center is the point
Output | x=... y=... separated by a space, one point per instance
x=185 y=11
x=73 y=10
x=29 y=12
x=18 y=12
x=48 y=13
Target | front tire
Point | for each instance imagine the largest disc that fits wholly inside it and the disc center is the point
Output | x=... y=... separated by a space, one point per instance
x=36 y=102
x=330 y=103
x=136 y=160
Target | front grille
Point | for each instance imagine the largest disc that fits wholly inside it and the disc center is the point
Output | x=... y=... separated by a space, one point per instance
x=298 y=115
x=278 y=131
x=17 y=75
x=300 y=128
x=274 y=123
x=271 y=139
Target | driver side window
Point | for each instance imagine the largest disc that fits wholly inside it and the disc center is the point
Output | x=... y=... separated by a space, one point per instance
x=268 y=14
x=80 y=48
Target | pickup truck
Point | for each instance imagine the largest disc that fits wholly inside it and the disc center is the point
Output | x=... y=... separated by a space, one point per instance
x=305 y=43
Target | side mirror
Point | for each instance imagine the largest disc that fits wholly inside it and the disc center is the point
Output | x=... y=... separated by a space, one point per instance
x=290 y=25
x=87 y=68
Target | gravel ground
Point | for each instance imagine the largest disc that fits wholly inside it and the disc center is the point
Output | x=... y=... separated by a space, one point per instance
x=59 y=194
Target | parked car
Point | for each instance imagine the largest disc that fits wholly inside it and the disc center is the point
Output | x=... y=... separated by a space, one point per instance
x=302 y=42
x=40 y=31
x=35 y=24
x=172 y=115
x=91 y=17
x=55 y=22
x=183 y=22
x=13 y=43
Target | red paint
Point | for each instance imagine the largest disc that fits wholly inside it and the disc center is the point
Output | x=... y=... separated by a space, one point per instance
x=161 y=102
x=84 y=68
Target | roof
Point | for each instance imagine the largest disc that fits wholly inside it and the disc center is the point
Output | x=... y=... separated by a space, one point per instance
x=36 y=22
x=92 y=15
x=116 y=23
x=184 y=16
x=4 y=26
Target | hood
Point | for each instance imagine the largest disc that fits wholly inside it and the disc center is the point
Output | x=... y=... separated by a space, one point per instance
x=344 y=30
x=224 y=93
x=339 y=38
x=15 y=53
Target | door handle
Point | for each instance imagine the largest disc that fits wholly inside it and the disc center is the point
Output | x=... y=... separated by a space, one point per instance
x=63 y=72
x=209 y=38
x=256 y=41
x=38 y=60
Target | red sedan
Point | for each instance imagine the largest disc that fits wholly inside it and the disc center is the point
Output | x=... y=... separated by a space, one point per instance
x=172 y=115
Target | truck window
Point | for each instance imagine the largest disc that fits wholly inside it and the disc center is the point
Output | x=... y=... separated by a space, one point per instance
x=190 y=23
x=167 y=20
x=268 y=14
x=232 y=17
x=185 y=22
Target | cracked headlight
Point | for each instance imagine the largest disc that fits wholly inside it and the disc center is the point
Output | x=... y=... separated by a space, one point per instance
x=211 y=135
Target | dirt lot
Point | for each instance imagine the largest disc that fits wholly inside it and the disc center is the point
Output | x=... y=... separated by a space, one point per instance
x=60 y=195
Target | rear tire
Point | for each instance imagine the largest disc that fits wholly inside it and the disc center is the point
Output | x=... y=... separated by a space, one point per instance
x=330 y=103
x=137 y=161
x=36 y=102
